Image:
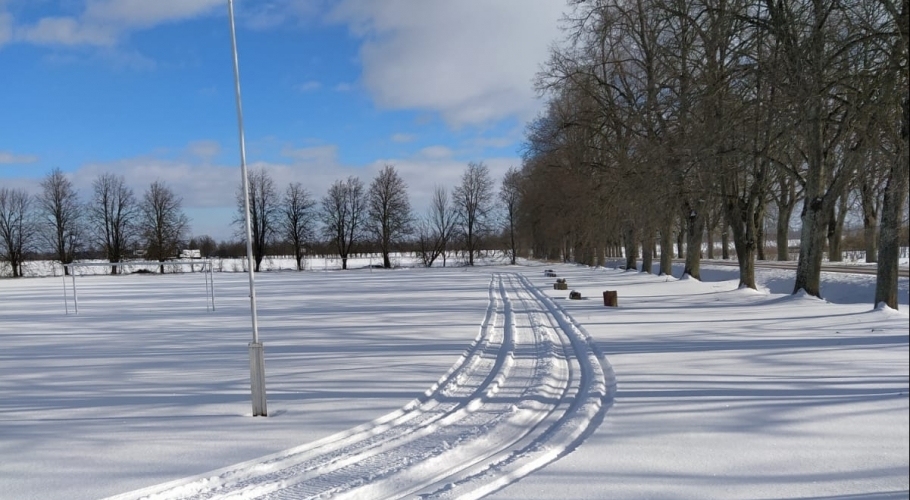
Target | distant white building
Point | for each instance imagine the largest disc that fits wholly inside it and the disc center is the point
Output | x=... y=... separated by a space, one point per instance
x=190 y=254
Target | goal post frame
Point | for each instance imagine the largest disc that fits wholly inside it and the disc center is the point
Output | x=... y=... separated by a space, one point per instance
x=207 y=272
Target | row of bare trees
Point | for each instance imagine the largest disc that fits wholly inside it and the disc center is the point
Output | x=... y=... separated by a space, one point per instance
x=113 y=220
x=352 y=214
x=670 y=118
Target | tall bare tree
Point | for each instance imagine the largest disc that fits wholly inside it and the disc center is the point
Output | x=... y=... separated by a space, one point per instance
x=162 y=223
x=389 y=216
x=813 y=73
x=510 y=196
x=61 y=217
x=897 y=132
x=17 y=227
x=264 y=211
x=343 y=212
x=444 y=220
x=473 y=200
x=296 y=220
x=435 y=231
x=112 y=215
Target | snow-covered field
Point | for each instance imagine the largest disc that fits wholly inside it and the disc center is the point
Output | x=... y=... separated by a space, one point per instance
x=454 y=383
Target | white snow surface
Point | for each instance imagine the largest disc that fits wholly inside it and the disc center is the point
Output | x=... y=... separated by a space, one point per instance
x=464 y=382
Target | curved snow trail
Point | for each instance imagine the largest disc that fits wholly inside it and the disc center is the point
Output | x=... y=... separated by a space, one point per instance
x=530 y=388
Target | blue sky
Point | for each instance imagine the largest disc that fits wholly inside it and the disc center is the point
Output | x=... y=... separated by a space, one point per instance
x=144 y=89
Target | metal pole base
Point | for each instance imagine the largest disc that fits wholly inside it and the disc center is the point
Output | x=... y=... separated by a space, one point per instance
x=257 y=379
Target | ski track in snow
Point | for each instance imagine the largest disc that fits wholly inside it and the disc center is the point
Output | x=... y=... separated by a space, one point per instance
x=530 y=388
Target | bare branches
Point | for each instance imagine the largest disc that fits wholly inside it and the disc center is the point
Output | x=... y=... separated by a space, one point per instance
x=389 y=217
x=343 y=212
x=162 y=223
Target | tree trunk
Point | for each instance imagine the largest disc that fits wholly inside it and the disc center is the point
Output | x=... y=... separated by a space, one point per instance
x=811 y=248
x=680 y=253
x=647 y=252
x=725 y=242
x=759 y=225
x=786 y=203
x=710 y=238
x=631 y=248
x=741 y=218
x=512 y=247
x=870 y=238
x=870 y=222
x=386 y=261
x=836 y=231
x=695 y=229
x=814 y=220
x=666 y=251
x=892 y=211
x=886 y=290
x=745 y=255
x=783 y=232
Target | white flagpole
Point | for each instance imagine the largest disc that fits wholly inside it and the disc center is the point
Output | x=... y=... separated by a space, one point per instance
x=257 y=360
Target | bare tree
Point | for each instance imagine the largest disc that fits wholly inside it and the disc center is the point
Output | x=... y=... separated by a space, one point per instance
x=435 y=230
x=898 y=177
x=814 y=72
x=60 y=214
x=162 y=223
x=112 y=214
x=343 y=211
x=389 y=216
x=510 y=196
x=17 y=227
x=296 y=219
x=425 y=242
x=263 y=212
x=473 y=200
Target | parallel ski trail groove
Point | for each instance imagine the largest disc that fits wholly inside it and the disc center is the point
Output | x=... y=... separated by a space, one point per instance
x=530 y=388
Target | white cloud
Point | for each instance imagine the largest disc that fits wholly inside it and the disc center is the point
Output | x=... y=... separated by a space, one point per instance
x=403 y=138
x=104 y=22
x=435 y=152
x=6 y=28
x=127 y=14
x=472 y=61
x=66 y=31
x=494 y=142
x=204 y=150
x=8 y=158
x=309 y=86
x=323 y=154
x=267 y=14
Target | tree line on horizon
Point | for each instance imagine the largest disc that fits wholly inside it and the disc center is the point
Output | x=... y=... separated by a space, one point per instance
x=116 y=225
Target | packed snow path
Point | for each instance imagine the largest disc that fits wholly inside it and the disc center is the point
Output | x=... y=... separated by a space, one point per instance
x=529 y=389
